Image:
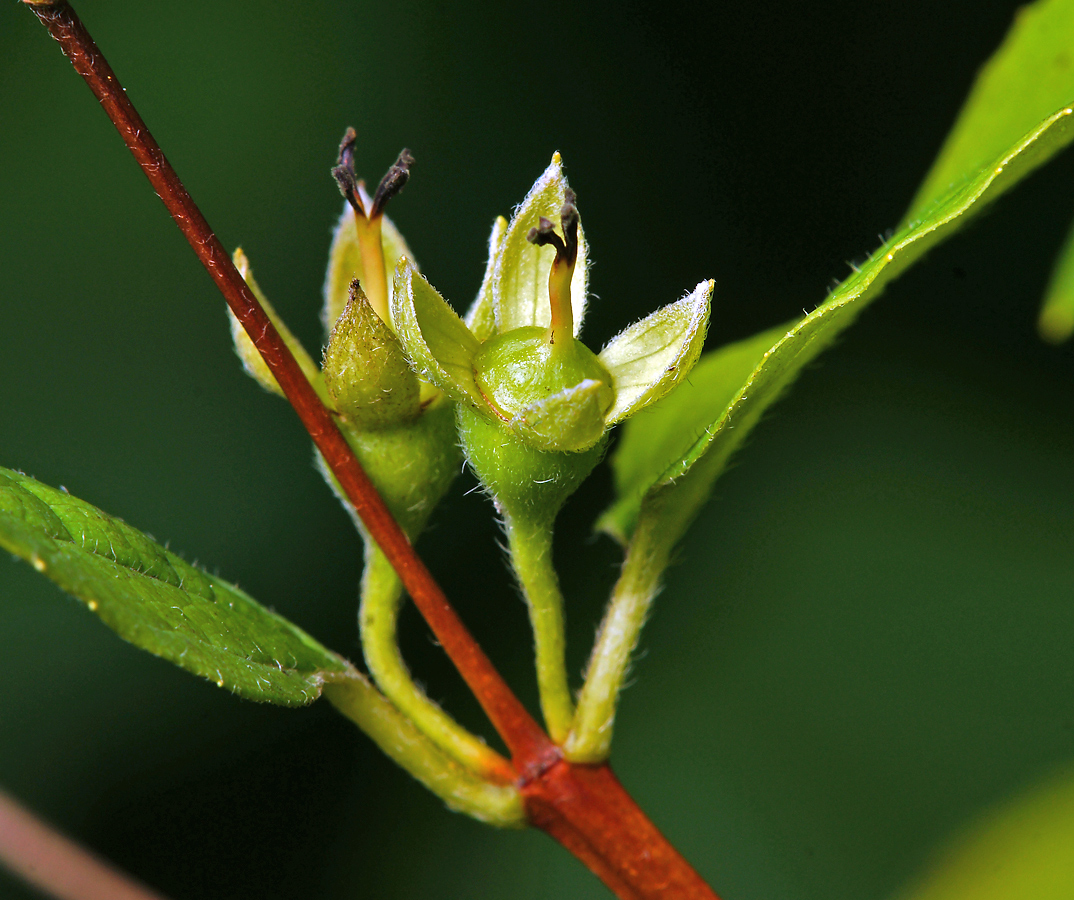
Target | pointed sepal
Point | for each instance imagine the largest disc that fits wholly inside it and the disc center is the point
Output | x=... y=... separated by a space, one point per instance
x=481 y=317
x=650 y=357
x=365 y=370
x=520 y=270
x=437 y=342
x=571 y=420
x=251 y=360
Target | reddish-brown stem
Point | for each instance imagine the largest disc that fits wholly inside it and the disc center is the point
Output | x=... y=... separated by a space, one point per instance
x=515 y=725
x=583 y=807
x=589 y=812
x=56 y=865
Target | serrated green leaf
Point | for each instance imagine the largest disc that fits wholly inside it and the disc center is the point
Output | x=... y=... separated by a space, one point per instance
x=1029 y=77
x=650 y=357
x=159 y=602
x=684 y=486
x=660 y=435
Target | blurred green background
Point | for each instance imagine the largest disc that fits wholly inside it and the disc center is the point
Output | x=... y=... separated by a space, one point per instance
x=868 y=638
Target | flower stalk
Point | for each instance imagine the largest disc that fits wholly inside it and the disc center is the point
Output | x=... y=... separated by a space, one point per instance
x=638 y=584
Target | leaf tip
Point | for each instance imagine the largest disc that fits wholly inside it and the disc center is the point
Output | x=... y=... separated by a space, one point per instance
x=1055 y=324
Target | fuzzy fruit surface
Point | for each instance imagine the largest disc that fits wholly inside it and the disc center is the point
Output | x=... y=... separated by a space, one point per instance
x=523 y=367
x=522 y=479
x=412 y=465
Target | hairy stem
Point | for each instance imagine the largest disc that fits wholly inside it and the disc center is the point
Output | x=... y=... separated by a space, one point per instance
x=391 y=730
x=587 y=810
x=639 y=582
x=530 y=544
x=382 y=595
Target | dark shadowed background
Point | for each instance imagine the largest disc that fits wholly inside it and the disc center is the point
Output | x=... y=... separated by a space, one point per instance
x=868 y=636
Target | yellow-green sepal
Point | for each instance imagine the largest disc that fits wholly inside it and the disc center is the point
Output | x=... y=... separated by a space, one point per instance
x=251 y=360
x=440 y=347
x=519 y=279
x=481 y=317
x=650 y=357
x=571 y=420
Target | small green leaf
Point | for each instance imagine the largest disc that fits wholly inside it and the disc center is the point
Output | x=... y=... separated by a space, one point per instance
x=571 y=420
x=684 y=486
x=650 y=357
x=345 y=262
x=1027 y=78
x=159 y=602
x=1056 y=322
x=438 y=343
x=481 y=317
x=520 y=271
x=365 y=371
x=251 y=360
x=660 y=435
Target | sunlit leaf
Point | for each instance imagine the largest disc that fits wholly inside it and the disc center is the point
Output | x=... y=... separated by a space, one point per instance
x=685 y=484
x=1029 y=77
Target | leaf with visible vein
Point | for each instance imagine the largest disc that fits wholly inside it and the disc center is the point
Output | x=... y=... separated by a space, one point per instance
x=1029 y=76
x=681 y=489
x=159 y=602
